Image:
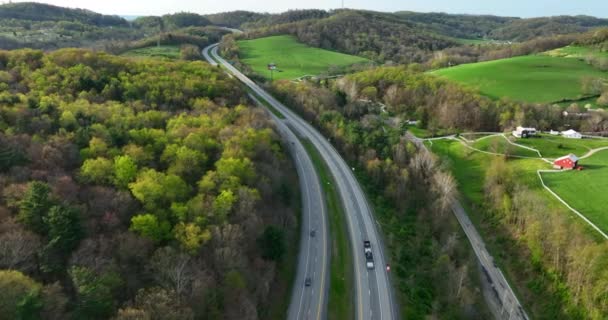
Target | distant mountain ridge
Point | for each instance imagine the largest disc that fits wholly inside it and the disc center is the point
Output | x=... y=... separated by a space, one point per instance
x=34 y=11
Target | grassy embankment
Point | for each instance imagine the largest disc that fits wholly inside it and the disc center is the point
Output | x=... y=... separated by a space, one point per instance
x=535 y=78
x=341 y=292
x=293 y=59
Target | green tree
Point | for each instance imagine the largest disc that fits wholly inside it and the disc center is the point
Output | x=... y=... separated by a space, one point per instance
x=223 y=203
x=240 y=168
x=148 y=226
x=272 y=243
x=156 y=190
x=183 y=161
x=35 y=206
x=64 y=227
x=94 y=293
x=97 y=171
x=191 y=236
x=125 y=170
x=19 y=296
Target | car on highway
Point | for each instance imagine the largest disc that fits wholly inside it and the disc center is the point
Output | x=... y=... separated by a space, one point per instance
x=313 y=233
x=369 y=257
x=308 y=282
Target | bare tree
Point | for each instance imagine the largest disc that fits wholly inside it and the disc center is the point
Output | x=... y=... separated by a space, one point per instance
x=445 y=186
x=18 y=249
x=172 y=269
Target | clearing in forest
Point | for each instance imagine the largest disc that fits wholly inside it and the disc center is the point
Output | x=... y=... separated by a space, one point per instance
x=167 y=52
x=292 y=58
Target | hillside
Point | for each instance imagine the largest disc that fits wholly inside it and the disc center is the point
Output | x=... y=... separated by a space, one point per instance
x=294 y=60
x=36 y=25
x=536 y=78
x=526 y=29
x=33 y=11
x=138 y=187
x=385 y=38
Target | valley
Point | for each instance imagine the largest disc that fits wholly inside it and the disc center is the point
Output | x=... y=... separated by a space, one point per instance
x=200 y=163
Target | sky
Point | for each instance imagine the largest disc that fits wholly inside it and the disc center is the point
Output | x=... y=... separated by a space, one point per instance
x=518 y=8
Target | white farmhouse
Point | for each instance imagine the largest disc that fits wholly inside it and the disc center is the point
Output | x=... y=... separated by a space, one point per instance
x=522 y=132
x=571 y=134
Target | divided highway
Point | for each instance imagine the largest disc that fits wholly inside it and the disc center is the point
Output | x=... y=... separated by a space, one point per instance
x=373 y=297
x=307 y=302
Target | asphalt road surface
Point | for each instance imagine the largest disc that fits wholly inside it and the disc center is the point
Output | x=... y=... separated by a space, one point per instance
x=510 y=307
x=373 y=292
x=307 y=302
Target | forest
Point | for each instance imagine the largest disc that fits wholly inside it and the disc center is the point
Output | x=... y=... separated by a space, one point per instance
x=137 y=189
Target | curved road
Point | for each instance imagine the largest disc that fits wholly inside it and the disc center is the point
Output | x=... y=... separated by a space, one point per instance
x=373 y=296
x=313 y=260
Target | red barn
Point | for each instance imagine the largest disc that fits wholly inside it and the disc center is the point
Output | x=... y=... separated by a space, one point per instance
x=568 y=162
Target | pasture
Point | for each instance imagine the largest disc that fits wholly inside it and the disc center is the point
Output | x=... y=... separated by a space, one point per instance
x=585 y=190
x=535 y=78
x=557 y=146
x=498 y=144
x=165 y=52
x=293 y=59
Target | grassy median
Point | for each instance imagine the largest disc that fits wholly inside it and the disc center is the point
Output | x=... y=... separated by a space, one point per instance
x=340 y=304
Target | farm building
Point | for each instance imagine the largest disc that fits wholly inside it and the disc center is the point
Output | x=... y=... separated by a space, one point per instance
x=522 y=132
x=571 y=134
x=568 y=162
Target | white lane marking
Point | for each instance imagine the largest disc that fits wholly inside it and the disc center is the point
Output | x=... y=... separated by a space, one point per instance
x=308 y=240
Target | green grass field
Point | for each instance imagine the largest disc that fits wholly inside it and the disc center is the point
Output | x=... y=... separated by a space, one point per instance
x=556 y=146
x=166 y=52
x=293 y=59
x=536 y=78
x=576 y=52
x=585 y=190
x=499 y=144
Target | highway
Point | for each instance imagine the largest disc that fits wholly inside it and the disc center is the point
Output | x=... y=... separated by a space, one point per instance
x=373 y=292
x=510 y=307
x=307 y=302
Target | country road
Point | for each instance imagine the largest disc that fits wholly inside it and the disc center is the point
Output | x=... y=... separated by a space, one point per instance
x=373 y=292
x=510 y=307
x=307 y=302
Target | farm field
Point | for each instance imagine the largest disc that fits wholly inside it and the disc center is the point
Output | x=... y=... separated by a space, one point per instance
x=167 y=52
x=585 y=190
x=293 y=59
x=535 y=78
x=498 y=144
x=556 y=146
x=576 y=52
